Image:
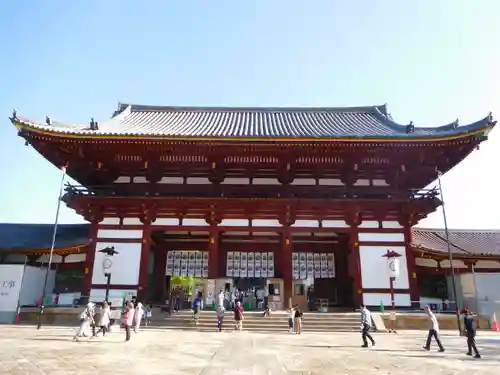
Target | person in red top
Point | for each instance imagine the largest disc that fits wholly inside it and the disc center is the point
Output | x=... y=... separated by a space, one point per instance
x=238 y=316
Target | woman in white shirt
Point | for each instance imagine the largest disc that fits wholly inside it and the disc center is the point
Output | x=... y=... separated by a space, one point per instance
x=104 y=319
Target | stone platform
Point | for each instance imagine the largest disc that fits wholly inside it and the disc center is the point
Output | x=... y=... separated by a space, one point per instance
x=51 y=351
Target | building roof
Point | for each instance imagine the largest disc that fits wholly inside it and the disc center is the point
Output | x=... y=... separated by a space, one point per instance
x=464 y=242
x=368 y=122
x=19 y=237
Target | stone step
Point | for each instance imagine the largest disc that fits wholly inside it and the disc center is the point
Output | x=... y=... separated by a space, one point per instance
x=230 y=328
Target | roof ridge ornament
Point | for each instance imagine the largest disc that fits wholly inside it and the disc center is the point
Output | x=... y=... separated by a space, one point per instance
x=48 y=121
x=94 y=125
x=410 y=128
x=455 y=123
x=14 y=114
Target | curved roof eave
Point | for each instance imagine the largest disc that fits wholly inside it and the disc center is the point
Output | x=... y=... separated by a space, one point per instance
x=453 y=128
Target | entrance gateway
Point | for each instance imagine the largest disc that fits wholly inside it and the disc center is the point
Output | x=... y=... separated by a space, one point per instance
x=290 y=182
x=251 y=265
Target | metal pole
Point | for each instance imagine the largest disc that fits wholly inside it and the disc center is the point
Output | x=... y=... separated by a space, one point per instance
x=393 y=304
x=108 y=284
x=54 y=234
x=18 y=310
x=450 y=255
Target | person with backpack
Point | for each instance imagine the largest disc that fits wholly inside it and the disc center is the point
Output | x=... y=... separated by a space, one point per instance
x=197 y=308
x=470 y=332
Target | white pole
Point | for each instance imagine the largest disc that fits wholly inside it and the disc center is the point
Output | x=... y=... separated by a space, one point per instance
x=54 y=235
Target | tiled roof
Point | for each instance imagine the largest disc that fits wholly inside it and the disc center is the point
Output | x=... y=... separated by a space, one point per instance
x=463 y=242
x=264 y=123
x=15 y=237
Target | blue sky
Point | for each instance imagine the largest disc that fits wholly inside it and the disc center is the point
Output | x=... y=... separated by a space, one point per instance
x=431 y=61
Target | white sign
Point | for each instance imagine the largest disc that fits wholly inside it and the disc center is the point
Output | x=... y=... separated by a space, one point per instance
x=393 y=267
x=11 y=278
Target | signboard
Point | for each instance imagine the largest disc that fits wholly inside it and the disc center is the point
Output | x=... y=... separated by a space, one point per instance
x=187 y=263
x=11 y=278
x=313 y=266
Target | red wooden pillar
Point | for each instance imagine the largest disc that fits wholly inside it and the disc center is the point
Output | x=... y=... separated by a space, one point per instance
x=88 y=265
x=144 y=266
x=213 y=253
x=411 y=266
x=286 y=264
x=160 y=273
x=353 y=219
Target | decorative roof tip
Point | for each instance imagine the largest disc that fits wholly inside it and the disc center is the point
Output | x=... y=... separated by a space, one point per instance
x=47 y=120
x=14 y=114
x=410 y=128
x=94 y=125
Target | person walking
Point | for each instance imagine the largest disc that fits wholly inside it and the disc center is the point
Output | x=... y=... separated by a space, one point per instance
x=297 y=320
x=138 y=315
x=104 y=319
x=366 y=324
x=86 y=320
x=220 y=309
x=433 y=330
x=196 y=309
x=470 y=332
x=128 y=319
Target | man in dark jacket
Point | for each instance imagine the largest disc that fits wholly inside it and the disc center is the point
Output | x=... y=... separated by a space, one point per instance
x=470 y=333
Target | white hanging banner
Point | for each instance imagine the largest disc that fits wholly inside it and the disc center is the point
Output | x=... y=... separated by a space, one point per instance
x=393 y=267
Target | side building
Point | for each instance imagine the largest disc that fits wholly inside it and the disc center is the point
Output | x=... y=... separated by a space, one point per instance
x=277 y=198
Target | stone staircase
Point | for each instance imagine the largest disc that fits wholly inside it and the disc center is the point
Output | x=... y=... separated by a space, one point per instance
x=256 y=322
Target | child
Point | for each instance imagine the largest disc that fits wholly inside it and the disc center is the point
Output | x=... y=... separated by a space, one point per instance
x=290 y=319
x=149 y=314
x=238 y=316
x=196 y=309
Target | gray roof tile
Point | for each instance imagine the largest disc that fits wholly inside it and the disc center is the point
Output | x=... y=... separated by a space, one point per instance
x=264 y=123
x=463 y=242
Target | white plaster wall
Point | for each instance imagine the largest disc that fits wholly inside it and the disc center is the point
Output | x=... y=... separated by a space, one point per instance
x=381 y=237
x=131 y=221
x=374 y=299
x=265 y=223
x=374 y=267
x=167 y=221
x=236 y=181
x=120 y=233
x=488 y=286
x=426 y=262
x=98 y=295
x=487 y=264
x=111 y=221
x=330 y=182
x=456 y=264
x=172 y=180
x=334 y=224
x=32 y=287
x=126 y=263
x=194 y=223
x=265 y=181
x=391 y=224
x=234 y=223
x=306 y=224
x=304 y=181
x=369 y=224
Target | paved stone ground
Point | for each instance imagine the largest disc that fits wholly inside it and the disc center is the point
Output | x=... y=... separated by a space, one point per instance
x=24 y=350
